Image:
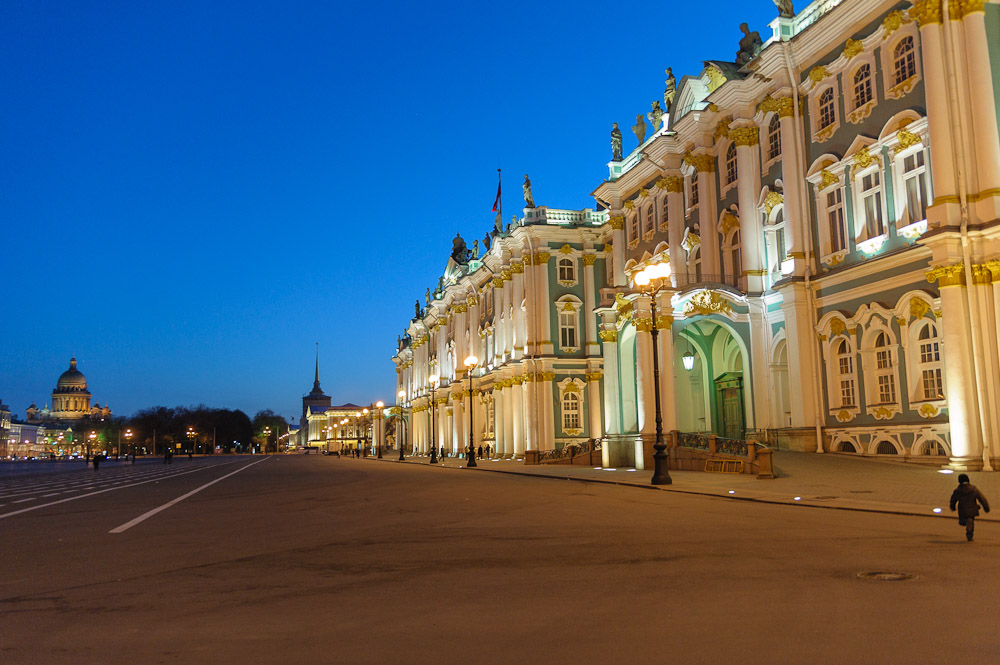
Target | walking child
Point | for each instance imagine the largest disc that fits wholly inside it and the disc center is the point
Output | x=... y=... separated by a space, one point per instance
x=968 y=498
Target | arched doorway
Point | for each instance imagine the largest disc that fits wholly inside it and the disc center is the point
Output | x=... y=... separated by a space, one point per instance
x=713 y=395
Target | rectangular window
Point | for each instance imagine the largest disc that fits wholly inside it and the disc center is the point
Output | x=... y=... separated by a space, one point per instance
x=835 y=217
x=930 y=380
x=694 y=191
x=915 y=186
x=871 y=201
x=886 y=389
x=847 y=392
x=779 y=239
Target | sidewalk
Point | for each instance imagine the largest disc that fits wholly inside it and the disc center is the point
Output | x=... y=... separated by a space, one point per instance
x=821 y=480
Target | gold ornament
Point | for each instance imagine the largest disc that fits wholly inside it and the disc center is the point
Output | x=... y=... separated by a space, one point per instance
x=852 y=48
x=707 y=302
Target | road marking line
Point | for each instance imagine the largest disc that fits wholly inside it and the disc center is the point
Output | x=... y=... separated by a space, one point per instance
x=45 y=496
x=145 y=516
x=30 y=498
x=83 y=496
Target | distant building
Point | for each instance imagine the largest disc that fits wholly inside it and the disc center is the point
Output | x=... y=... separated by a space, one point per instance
x=4 y=429
x=70 y=401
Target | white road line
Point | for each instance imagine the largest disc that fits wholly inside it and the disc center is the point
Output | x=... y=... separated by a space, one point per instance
x=45 y=496
x=30 y=498
x=83 y=496
x=145 y=516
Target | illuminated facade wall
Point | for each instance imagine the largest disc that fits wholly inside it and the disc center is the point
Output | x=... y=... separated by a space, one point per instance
x=525 y=310
x=832 y=229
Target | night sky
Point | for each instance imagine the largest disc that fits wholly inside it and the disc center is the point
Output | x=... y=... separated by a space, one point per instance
x=192 y=194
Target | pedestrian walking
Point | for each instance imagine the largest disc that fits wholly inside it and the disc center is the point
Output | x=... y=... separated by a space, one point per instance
x=968 y=498
x=97 y=461
x=168 y=457
x=480 y=452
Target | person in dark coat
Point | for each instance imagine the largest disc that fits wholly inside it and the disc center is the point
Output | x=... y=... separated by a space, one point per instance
x=97 y=460
x=968 y=498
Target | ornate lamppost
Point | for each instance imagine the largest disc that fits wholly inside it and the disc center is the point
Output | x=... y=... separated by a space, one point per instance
x=470 y=363
x=377 y=416
x=401 y=396
x=432 y=380
x=650 y=281
x=191 y=434
x=128 y=443
x=90 y=444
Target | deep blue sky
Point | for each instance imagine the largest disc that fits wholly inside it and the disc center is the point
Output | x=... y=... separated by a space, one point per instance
x=194 y=193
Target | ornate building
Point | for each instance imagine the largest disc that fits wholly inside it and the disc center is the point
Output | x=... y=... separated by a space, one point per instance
x=70 y=401
x=829 y=208
x=829 y=211
x=524 y=310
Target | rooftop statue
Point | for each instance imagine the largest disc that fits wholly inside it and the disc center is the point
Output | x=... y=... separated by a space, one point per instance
x=639 y=128
x=458 y=250
x=671 y=89
x=497 y=223
x=655 y=116
x=475 y=249
x=416 y=310
x=486 y=239
x=785 y=8
x=616 y=143
x=529 y=202
x=428 y=296
x=750 y=45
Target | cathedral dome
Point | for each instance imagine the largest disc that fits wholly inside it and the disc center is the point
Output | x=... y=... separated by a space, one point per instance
x=72 y=379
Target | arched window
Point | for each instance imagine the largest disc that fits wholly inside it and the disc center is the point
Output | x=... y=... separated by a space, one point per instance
x=567 y=270
x=774 y=137
x=904 y=62
x=731 y=164
x=827 y=112
x=846 y=447
x=650 y=218
x=665 y=213
x=571 y=411
x=929 y=348
x=633 y=228
x=845 y=372
x=862 y=85
x=884 y=371
x=886 y=448
x=693 y=199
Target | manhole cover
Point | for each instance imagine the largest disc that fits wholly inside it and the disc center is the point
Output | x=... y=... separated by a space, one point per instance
x=886 y=576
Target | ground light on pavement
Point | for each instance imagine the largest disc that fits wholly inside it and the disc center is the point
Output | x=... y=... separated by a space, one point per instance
x=314 y=559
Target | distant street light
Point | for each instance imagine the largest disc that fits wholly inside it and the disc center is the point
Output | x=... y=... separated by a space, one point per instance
x=128 y=443
x=432 y=381
x=470 y=364
x=401 y=395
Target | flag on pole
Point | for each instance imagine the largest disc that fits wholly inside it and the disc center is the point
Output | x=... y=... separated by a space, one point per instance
x=496 y=202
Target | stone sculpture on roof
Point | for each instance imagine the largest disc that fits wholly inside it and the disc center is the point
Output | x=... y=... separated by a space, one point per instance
x=529 y=201
x=750 y=45
x=655 y=116
x=785 y=9
x=616 y=143
x=486 y=239
x=671 y=89
x=639 y=128
x=459 y=252
x=475 y=249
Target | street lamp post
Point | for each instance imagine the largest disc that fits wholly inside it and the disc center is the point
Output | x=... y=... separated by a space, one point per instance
x=128 y=443
x=433 y=380
x=651 y=280
x=402 y=419
x=267 y=437
x=191 y=434
x=470 y=364
x=376 y=427
x=90 y=444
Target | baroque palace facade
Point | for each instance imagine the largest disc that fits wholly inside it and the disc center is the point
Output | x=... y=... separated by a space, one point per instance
x=829 y=206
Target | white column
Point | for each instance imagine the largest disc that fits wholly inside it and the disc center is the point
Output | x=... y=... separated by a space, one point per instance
x=530 y=411
x=547 y=433
x=612 y=422
x=618 y=246
x=759 y=379
x=665 y=355
x=794 y=192
x=983 y=110
x=520 y=325
x=543 y=306
x=748 y=190
x=644 y=366
x=498 y=329
x=594 y=404
x=799 y=338
x=518 y=419
x=675 y=230
x=500 y=401
x=593 y=343
x=959 y=375
x=945 y=209
x=707 y=216
x=510 y=407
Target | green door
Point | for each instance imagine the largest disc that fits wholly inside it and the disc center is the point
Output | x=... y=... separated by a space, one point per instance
x=731 y=421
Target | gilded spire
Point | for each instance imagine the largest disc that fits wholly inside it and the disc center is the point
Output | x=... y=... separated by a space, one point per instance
x=316 y=380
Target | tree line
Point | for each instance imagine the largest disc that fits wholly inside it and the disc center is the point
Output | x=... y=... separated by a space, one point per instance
x=197 y=429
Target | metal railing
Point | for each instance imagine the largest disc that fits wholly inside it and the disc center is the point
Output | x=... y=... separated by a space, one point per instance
x=570 y=450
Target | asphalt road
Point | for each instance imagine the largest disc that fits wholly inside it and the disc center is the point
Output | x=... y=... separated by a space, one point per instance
x=310 y=559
